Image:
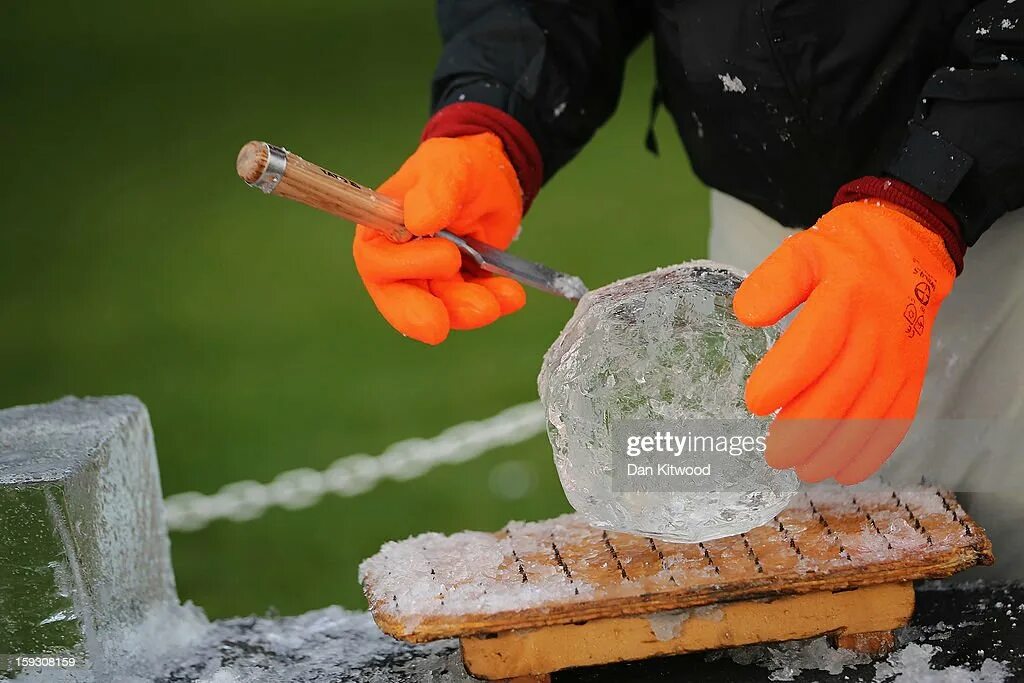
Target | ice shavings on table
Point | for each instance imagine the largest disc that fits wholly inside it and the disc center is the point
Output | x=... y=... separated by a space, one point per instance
x=925 y=652
x=329 y=644
x=788 y=660
x=913 y=664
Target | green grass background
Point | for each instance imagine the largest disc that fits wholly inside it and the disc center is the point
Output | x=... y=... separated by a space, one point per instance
x=132 y=260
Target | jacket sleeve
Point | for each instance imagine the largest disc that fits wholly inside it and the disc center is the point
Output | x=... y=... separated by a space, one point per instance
x=965 y=145
x=554 y=66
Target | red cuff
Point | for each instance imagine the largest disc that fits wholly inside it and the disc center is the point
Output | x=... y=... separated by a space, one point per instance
x=934 y=215
x=470 y=118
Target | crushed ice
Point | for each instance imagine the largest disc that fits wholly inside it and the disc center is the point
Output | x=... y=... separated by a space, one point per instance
x=788 y=660
x=180 y=646
x=910 y=663
x=668 y=625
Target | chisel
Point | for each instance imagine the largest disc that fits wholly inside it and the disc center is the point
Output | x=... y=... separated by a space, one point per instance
x=276 y=171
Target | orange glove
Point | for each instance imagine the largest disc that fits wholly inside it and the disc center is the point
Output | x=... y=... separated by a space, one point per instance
x=847 y=374
x=468 y=186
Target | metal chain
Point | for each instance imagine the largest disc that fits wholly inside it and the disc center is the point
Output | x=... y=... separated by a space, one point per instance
x=355 y=474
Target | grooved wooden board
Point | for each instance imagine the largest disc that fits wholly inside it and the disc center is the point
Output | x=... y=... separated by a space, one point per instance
x=562 y=571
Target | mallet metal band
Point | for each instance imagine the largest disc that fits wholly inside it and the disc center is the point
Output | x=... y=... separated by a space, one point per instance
x=277 y=161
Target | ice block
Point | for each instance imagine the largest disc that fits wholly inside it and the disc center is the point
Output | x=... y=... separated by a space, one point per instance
x=84 y=549
x=662 y=353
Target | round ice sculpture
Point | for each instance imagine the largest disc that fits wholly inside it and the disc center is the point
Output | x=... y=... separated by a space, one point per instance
x=661 y=347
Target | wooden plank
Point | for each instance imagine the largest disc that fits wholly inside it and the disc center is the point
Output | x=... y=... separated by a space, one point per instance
x=561 y=571
x=872 y=610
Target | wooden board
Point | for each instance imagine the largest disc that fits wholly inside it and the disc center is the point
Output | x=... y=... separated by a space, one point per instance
x=872 y=609
x=562 y=571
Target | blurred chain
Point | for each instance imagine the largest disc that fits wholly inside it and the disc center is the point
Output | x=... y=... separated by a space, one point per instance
x=355 y=474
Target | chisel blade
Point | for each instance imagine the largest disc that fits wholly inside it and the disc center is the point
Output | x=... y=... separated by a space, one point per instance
x=535 y=275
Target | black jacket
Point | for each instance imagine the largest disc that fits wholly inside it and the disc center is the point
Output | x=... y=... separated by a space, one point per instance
x=779 y=102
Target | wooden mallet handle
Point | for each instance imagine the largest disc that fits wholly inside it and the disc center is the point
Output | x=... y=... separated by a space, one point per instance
x=277 y=171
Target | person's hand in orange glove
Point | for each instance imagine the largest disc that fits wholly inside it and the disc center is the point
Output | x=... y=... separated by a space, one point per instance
x=847 y=373
x=466 y=185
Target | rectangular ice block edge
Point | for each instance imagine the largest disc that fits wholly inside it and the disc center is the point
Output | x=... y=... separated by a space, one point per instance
x=84 y=549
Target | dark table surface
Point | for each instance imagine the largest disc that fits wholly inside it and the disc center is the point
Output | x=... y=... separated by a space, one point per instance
x=970 y=631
